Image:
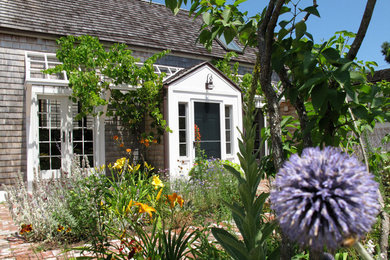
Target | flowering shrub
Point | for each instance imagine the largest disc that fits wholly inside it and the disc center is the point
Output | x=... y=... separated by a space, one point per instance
x=206 y=190
x=324 y=198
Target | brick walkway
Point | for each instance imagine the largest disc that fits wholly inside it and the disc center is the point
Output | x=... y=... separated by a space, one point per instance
x=13 y=246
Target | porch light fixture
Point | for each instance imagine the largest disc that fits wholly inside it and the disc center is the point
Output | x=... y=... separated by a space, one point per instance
x=209 y=82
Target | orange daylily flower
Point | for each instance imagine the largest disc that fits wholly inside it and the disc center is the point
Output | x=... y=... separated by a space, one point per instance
x=116 y=137
x=155 y=141
x=128 y=150
x=143 y=208
x=180 y=201
x=173 y=198
x=121 y=145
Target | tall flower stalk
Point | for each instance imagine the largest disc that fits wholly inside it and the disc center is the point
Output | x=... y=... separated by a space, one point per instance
x=247 y=211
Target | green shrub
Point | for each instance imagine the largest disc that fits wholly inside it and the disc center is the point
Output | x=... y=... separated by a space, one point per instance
x=206 y=189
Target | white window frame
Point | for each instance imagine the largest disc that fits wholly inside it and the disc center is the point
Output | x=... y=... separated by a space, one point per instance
x=48 y=87
x=187 y=140
x=229 y=128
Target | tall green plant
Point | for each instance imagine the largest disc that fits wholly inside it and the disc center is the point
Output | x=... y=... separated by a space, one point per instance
x=247 y=212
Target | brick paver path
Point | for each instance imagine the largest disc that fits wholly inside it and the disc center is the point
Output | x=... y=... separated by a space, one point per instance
x=15 y=247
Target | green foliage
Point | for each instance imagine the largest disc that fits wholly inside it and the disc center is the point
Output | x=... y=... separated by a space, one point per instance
x=247 y=211
x=99 y=76
x=225 y=65
x=207 y=188
x=386 y=51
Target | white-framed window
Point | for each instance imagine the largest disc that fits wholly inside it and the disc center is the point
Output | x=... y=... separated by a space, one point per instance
x=228 y=129
x=183 y=129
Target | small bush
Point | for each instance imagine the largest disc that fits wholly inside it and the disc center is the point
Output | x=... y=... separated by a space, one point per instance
x=206 y=189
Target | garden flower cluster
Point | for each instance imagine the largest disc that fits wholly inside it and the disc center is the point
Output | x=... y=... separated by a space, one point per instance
x=323 y=198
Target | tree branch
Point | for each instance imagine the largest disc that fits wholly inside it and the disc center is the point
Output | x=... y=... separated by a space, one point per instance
x=299 y=107
x=362 y=30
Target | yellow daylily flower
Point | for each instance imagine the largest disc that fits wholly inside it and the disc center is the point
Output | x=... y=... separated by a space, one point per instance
x=157 y=182
x=119 y=163
x=159 y=194
x=143 y=208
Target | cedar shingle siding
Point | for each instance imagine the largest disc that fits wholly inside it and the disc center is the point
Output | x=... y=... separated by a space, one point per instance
x=34 y=25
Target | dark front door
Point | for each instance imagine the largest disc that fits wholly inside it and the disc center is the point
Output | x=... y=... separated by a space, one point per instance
x=207 y=118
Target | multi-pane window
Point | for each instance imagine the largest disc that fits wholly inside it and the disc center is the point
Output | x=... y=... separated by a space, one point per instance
x=228 y=129
x=82 y=135
x=49 y=115
x=183 y=129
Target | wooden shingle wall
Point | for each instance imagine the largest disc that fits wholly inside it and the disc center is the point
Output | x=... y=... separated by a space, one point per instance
x=12 y=102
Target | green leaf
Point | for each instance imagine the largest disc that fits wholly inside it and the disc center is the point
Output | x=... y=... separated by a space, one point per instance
x=319 y=94
x=220 y=2
x=226 y=14
x=237 y=2
x=207 y=18
x=229 y=34
x=331 y=54
x=315 y=79
x=357 y=77
x=300 y=29
x=283 y=23
x=312 y=10
x=336 y=98
x=233 y=171
x=231 y=244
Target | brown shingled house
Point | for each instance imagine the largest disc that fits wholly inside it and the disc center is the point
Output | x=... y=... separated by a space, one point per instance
x=37 y=124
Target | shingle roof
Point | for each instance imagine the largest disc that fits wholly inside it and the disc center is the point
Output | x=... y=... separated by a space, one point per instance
x=134 y=22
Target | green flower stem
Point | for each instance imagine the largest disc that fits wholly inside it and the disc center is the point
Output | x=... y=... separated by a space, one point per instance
x=362 y=251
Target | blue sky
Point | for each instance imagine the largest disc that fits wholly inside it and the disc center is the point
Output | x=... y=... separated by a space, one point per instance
x=337 y=15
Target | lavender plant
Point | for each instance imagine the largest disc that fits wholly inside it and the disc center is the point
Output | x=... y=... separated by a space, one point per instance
x=324 y=198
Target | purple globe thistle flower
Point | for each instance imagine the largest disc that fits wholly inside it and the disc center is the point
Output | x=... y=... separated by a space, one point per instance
x=324 y=197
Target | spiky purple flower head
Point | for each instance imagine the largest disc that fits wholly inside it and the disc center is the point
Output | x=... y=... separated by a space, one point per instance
x=323 y=197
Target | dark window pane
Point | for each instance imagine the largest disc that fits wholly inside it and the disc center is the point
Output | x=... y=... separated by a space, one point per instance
x=88 y=134
x=227 y=123
x=212 y=149
x=55 y=135
x=90 y=161
x=55 y=148
x=43 y=135
x=77 y=148
x=182 y=123
x=55 y=163
x=88 y=148
x=183 y=150
x=77 y=135
x=55 y=120
x=182 y=109
x=182 y=136
x=208 y=121
x=228 y=148
x=227 y=111
x=43 y=120
x=43 y=149
x=228 y=138
x=44 y=163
